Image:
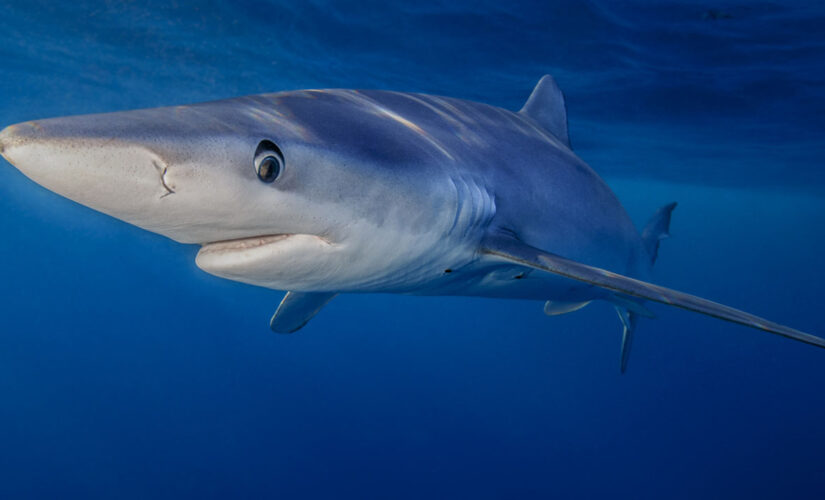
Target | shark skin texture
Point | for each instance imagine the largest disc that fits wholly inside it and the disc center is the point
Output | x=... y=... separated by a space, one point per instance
x=322 y=192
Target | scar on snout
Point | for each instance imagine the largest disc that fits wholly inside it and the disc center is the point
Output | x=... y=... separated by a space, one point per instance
x=162 y=171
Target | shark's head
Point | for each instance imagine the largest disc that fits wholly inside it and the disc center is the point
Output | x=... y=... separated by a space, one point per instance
x=285 y=191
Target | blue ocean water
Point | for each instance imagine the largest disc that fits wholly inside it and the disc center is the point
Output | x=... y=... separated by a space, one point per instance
x=125 y=372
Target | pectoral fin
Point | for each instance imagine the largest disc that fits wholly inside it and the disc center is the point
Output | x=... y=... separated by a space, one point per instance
x=510 y=250
x=296 y=309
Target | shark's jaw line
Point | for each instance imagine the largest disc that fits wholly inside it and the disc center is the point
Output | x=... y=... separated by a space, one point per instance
x=254 y=242
x=273 y=260
x=241 y=244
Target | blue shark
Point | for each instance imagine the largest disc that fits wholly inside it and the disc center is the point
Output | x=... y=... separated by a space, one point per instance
x=322 y=192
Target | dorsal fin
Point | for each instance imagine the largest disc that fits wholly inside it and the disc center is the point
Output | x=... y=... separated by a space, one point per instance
x=546 y=106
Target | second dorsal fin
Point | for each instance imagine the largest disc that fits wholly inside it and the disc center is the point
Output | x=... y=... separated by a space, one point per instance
x=546 y=106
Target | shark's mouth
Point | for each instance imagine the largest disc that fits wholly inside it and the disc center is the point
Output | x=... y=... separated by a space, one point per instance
x=241 y=244
x=252 y=259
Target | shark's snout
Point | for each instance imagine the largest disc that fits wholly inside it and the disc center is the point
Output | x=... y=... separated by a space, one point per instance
x=15 y=136
x=88 y=164
x=28 y=145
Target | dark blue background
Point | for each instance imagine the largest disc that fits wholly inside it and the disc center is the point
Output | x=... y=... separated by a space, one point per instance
x=125 y=372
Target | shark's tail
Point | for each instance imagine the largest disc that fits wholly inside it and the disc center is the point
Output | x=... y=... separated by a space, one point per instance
x=657 y=229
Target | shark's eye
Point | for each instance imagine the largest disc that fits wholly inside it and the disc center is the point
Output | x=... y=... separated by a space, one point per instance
x=269 y=161
x=269 y=169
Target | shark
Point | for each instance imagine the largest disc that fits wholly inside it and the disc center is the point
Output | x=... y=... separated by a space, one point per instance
x=323 y=192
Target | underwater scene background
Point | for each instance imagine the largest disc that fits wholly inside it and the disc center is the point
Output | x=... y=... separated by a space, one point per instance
x=125 y=372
